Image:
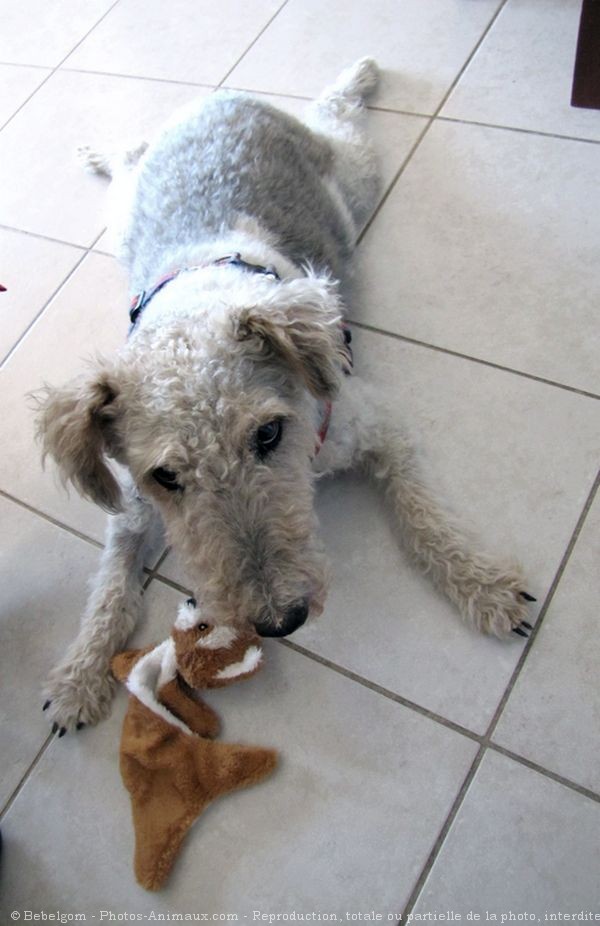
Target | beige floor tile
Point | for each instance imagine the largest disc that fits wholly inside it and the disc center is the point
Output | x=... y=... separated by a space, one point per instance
x=36 y=32
x=553 y=713
x=487 y=246
x=55 y=196
x=523 y=73
x=43 y=574
x=330 y=830
x=421 y=46
x=520 y=843
x=16 y=84
x=515 y=458
x=190 y=40
x=103 y=244
x=31 y=269
x=88 y=316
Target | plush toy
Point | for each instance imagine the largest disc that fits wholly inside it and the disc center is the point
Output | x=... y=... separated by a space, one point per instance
x=169 y=763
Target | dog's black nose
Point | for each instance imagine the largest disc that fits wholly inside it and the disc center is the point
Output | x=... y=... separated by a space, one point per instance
x=293 y=618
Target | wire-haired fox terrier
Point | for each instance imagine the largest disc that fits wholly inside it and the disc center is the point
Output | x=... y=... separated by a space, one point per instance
x=232 y=392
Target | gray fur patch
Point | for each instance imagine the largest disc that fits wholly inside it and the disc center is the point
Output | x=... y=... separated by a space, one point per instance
x=234 y=156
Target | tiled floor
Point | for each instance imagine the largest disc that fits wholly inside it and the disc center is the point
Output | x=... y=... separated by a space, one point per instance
x=424 y=770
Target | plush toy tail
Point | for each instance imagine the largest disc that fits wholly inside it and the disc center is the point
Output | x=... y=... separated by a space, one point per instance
x=167 y=805
x=229 y=767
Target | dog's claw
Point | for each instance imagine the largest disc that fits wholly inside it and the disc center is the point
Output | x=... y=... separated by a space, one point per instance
x=54 y=727
x=522 y=633
x=525 y=624
x=527 y=596
x=191 y=602
x=63 y=730
x=46 y=705
x=80 y=725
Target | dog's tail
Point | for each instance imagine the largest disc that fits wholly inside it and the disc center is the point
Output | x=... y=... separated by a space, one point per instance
x=354 y=85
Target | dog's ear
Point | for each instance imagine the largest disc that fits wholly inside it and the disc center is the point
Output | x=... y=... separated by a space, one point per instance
x=74 y=426
x=303 y=328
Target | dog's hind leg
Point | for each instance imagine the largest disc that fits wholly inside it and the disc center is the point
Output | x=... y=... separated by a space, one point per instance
x=119 y=167
x=79 y=689
x=110 y=163
x=339 y=113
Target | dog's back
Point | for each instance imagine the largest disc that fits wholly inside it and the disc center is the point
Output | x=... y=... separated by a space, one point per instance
x=227 y=157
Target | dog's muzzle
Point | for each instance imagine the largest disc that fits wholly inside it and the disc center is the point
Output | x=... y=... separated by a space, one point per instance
x=293 y=618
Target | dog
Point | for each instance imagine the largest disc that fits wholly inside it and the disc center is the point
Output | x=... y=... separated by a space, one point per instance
x=233 y=392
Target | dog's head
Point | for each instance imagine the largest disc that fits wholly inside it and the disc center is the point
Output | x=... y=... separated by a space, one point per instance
x=213 y=410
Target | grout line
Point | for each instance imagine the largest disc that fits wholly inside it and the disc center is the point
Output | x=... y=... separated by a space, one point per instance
x=152 y=573
x=394 y=180
x=32 y=234
x=435 y=851
x=51 y=520
x=454 y=353
x=482 y=739
x=154 y=80
x=379 y=689
x=89 y=32
x=19 y=64
x=52 y=296
x=398 y=112
x=56 y=67
x=430 y=122
x=252 y=43
x=545 y=772
x=25 y=777
x=171 y=584
x=103 y=253
x=290 y=96
x=514 y=128
x=486 y=740
x=308 y=99
x=544 y=609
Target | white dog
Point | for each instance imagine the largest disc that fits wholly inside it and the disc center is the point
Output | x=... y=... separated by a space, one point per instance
x=233 y=391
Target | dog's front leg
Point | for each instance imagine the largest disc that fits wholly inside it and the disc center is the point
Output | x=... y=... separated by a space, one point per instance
x=79 y=689
x=489 y=594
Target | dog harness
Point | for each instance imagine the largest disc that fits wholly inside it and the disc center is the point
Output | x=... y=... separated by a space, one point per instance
x=141 y=300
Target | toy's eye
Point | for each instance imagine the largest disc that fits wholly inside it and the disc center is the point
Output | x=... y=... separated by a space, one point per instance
x=167 y=479
x=268 y=437
x=202 y=627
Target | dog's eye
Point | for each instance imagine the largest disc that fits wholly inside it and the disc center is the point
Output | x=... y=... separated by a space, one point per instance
x=202 y=627
x=268 y=437
x=166 y=478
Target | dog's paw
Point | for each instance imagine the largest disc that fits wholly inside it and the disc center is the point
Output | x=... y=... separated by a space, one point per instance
x=500 y=607
x=94 y=161
x=76 y=696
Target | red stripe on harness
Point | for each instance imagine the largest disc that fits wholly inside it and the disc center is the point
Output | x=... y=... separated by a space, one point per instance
x=325 y=421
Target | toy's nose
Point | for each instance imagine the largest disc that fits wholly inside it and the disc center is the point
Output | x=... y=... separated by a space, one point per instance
x=293 y=618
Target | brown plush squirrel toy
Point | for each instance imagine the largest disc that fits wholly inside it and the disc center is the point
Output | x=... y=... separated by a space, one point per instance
x=169 y=763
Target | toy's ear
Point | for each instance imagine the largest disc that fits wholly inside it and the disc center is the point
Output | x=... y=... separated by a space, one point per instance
x=75 y=425
x=303 y=329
